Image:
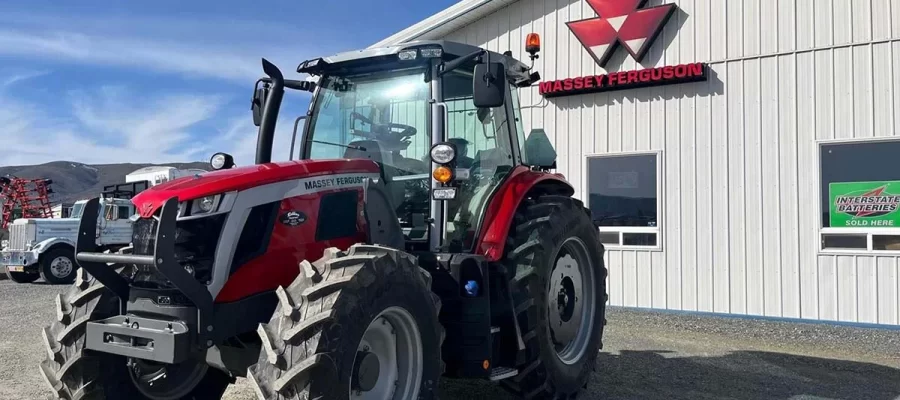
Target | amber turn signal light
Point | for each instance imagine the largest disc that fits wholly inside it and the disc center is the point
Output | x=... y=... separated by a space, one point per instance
x=442 y=174
x=533 y=43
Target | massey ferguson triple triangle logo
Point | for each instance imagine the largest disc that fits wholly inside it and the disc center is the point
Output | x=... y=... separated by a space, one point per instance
x=621 y=21
x=625 y=23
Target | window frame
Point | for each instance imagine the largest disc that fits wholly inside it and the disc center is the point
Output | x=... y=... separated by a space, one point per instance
x=868 y=232
x=517 y=138
x=621 y=230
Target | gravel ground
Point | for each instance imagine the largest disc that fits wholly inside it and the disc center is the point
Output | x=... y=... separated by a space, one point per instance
x=647 y=355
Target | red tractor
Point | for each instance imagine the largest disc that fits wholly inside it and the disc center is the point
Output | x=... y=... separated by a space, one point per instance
x=418 y=236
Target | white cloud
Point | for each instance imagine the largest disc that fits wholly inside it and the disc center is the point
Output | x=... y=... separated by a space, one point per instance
x=136 y=53
x=212 y=48
x=103 y=128
x=21 y=77
x=155 y=125
x=112 y=124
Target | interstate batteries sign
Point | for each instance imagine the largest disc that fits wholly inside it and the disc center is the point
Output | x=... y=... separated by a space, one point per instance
x=865 y=204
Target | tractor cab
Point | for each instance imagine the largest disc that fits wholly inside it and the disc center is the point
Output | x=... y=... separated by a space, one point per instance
x=441 y=120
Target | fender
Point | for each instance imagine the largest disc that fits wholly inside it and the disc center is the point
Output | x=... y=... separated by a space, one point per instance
x=498 y=217
x=48 y=243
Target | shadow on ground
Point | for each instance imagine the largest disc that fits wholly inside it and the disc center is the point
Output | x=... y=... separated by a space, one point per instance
x=738 y=375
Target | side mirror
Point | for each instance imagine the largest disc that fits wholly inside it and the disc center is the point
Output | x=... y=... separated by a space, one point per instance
x=258 y=103
x=489 y=85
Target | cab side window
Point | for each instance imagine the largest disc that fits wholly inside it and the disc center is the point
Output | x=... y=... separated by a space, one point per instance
x=124 y=212
x=483 y=142
x=517 y=124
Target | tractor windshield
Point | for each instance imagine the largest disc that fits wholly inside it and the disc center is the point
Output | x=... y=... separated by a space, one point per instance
x=382 y=115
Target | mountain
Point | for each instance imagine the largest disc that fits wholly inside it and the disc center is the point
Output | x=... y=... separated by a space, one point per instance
x=74 y=181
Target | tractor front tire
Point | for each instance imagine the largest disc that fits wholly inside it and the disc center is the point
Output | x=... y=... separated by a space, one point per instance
x=332 y=331
x=21 y=277
x=76 y=373
x=558 y=278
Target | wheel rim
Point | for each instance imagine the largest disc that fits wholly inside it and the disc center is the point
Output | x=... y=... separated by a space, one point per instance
x=393 y=339
x=159 y=381
x=61 y=267
x=572 y=301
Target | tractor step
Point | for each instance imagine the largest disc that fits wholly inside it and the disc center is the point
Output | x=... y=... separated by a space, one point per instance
x=499 y=373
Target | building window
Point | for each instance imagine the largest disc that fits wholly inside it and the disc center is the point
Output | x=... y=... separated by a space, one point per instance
x=623 y=195
x=860 y=194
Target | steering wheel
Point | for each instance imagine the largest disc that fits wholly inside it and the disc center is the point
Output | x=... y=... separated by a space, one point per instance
x=390 y=128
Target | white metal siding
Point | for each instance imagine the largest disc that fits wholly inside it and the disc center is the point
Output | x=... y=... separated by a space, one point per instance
x=739 y=221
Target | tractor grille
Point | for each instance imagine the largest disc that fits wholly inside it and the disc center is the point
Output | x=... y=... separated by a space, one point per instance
x=19 y=235
x=144 y=236
x=195 y=242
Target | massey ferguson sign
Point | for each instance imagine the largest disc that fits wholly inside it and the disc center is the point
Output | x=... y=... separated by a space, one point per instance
x=625 y=23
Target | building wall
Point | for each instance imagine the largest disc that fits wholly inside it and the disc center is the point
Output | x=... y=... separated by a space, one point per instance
x=740 y=222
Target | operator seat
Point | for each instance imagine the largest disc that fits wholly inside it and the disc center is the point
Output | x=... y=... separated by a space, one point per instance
x=489 y=160
x=371 y=150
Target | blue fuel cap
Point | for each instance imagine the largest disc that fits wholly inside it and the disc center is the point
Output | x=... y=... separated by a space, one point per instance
x=472 y=288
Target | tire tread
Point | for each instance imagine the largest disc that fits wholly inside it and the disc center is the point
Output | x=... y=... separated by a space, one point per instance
x=533 y=225
x=304 y=338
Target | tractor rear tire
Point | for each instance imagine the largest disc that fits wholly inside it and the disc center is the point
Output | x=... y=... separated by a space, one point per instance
x=545 y=230
x=314 y=346
x=75 y=373
x=21 y=277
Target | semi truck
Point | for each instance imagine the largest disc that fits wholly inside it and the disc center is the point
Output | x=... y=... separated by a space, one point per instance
x=45 y=247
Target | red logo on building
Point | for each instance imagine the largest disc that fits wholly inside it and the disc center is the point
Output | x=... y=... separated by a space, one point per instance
x=620 y=22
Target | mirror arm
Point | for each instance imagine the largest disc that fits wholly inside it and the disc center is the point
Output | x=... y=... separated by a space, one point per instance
x=489 y=77
x=452 y=65
x=305 y=86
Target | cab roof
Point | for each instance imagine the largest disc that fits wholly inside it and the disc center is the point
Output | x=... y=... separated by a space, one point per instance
x=451 y=50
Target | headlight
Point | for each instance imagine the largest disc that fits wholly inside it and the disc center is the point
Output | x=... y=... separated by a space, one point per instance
x=205 y=205
x=431 y=52
x=442 y=153
x=221 y=161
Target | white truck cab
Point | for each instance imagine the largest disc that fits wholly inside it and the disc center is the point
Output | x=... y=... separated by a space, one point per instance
x=45 y=247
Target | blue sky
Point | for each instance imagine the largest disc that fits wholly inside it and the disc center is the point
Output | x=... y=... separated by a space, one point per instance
x=164 y=81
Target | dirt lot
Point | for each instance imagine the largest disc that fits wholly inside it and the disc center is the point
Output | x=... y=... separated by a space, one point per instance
x=647 y=355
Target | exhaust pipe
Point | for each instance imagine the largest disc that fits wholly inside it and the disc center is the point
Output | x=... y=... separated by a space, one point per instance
x=270 y=113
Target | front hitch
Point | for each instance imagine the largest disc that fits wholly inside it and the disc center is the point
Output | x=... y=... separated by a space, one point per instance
x=163 y=258
x=138 y=332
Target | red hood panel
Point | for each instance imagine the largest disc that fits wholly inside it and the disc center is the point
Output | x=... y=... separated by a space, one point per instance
x=236 y=179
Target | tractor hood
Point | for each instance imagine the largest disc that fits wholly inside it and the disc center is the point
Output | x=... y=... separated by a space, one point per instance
x=242 y=178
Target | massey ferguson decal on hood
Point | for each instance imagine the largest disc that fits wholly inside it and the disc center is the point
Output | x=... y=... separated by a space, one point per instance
x=864 y=204
x=625 y=23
